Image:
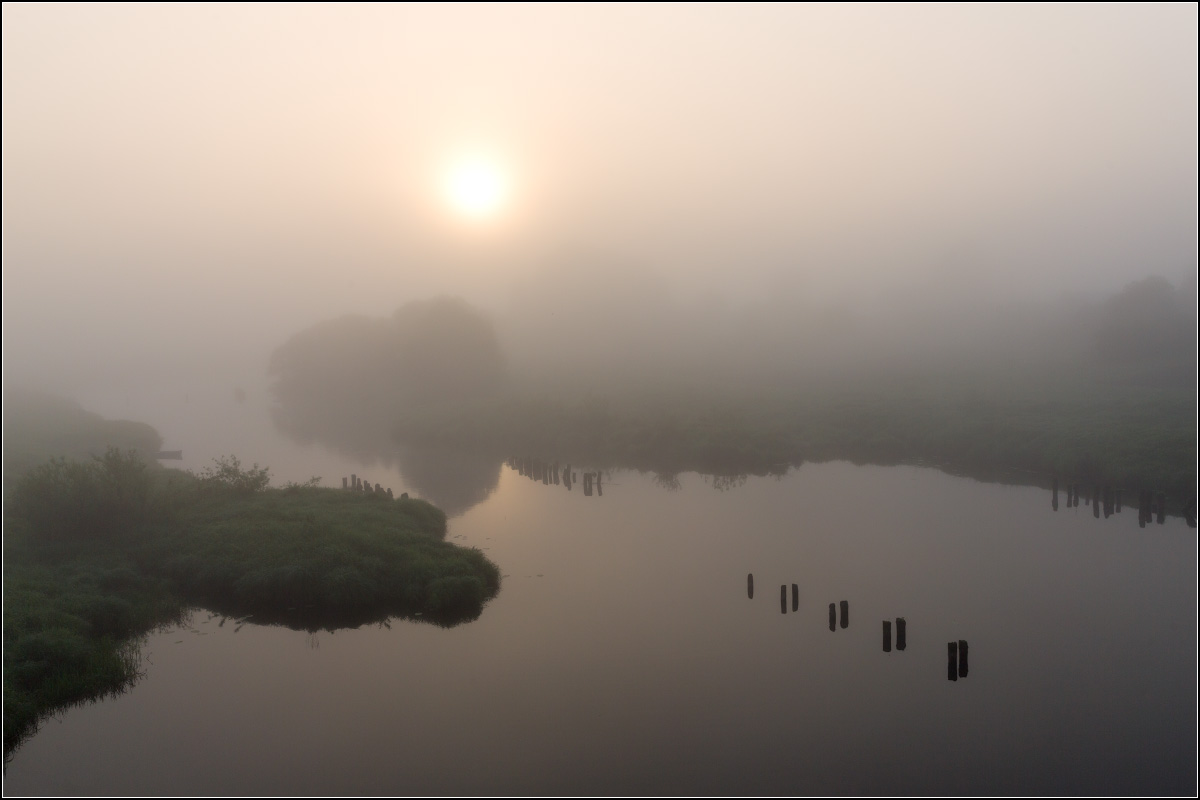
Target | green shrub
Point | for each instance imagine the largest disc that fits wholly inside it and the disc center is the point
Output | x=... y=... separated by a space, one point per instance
x=228 y=476
x=83 y=500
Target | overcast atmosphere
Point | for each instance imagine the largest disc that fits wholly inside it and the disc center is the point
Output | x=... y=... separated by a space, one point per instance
x=198 y=180
x=528 y=348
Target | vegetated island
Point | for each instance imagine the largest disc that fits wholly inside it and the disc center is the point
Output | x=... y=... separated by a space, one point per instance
x=98 y=553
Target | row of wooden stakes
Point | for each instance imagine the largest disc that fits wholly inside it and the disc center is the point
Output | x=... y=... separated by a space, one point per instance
x=357 y=484
x=957 y=651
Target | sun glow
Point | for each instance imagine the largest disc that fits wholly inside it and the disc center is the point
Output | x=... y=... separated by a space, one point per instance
x=476 y=188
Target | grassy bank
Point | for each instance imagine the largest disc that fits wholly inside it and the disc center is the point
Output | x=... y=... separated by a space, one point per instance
x=97 y=554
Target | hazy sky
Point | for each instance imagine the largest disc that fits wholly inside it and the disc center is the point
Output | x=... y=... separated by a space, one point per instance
x=178 y=177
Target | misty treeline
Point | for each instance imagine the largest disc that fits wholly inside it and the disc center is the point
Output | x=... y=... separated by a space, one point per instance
x=620 y=335
x=39 y=426
x=617 y=377
x=354 y=373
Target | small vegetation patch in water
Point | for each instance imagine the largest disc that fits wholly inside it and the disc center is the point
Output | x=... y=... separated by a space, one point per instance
x=97 y=554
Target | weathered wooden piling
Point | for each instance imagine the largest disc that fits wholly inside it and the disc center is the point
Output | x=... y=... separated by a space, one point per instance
x=1054 y=503
x=404 y=496
x=795 y=597
x=587 y=484
x=783 y=598
x=389 y=493
x=354 y=482
x=1162 y=508
x=901 y=633
x=750 y=585
x=1096 y=502
x=952 y=661
x=599 y=488
x=378 y=489
x=845 y=613
x=962 y=658
x=1118 y=499
x=887 y=636
x=345 y=484
x=832 y=617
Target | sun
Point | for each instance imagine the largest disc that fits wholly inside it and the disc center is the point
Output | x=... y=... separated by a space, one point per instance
x=476 y=188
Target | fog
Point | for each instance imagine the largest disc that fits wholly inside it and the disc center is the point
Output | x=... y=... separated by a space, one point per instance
x=187 y=187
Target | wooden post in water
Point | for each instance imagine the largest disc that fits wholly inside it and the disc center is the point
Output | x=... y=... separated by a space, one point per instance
x=1054 y=502
x=1118 y=501
x=962 y=658
x=599 y=488
x=345 y=484
x=378 y=489
x=783 y=598
x=1096 y=502
x=390 y=493
x=952 y=661
x=354 y=482
x=887 y=636
x=750 y=585
x=1162 y=508
x=901 y=633
x=556 y=475
x=795 y=597
x=845 y=613
x=832 y=617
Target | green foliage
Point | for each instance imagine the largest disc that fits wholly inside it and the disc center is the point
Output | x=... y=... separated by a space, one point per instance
x=76 y=500
x=98 y=553
x=70 y=629
x=228 y=476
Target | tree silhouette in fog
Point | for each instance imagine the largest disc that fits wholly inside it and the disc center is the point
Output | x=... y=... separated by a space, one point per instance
x=1148 y=320
x=350 y=377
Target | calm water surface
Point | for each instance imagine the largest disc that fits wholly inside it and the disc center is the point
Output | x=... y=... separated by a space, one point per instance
x=623 y=655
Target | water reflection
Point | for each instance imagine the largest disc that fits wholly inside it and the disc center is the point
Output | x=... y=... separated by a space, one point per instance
x=453 y=480
x=551 y=473
x=1152 y=506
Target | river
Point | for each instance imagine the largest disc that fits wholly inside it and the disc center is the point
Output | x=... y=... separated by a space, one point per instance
x=623 y=654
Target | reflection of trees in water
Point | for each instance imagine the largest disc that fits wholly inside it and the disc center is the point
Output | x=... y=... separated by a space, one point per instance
x=723 y=483
x=368 y=444
x=668 y=481
x=454 y=481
